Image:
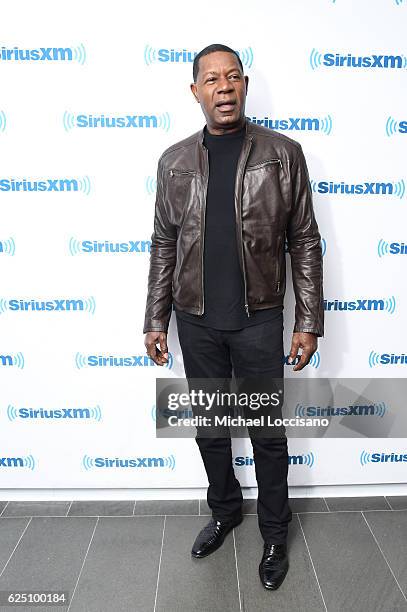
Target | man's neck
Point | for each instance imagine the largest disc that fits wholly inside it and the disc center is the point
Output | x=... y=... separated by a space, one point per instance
x=228 y=130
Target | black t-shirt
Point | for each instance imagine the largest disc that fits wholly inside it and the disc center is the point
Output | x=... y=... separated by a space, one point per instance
x=224 y=303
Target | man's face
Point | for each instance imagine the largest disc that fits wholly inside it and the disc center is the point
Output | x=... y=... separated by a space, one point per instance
x=221 y=90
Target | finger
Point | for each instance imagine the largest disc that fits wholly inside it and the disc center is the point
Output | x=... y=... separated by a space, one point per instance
x=304 y=360
x=294 y=352
x=153 y=357
x=163 y=346
x=162 y=360
x=154 y=354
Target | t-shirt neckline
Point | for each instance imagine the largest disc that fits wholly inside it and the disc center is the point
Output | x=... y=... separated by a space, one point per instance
x=227 y=136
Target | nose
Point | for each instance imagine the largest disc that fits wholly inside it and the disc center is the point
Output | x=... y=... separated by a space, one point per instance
x=224 y=85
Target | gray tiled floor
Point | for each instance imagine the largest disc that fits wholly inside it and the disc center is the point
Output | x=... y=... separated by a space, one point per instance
x=126 y=556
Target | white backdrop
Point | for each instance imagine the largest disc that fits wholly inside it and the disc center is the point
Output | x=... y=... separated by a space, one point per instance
x=77 y=392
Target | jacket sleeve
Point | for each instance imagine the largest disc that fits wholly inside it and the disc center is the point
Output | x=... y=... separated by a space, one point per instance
x=304 y=245
x=162 y=263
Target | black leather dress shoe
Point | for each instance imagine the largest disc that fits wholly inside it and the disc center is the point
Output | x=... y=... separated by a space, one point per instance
x=211 y=537
x=273 y=566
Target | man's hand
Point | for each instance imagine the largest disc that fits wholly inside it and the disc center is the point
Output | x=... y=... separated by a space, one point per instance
x=158 y=355
x=308 y=342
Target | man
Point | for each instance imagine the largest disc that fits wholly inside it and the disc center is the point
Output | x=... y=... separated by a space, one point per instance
x=227 y=197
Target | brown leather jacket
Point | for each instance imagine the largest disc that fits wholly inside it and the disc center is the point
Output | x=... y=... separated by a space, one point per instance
x=273 y=203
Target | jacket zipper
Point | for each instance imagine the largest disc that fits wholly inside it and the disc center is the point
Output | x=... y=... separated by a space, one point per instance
x=203 y=228
x=246 y=305
x=174 y=172
x=278 y=263
x=265 y=163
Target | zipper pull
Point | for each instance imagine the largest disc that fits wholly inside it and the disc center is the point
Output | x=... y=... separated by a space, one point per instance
x=247 y=309
x=281 y=165
x=278 y=286
x=171 y=173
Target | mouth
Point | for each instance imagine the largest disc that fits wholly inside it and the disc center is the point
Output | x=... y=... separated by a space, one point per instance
x=225 y=106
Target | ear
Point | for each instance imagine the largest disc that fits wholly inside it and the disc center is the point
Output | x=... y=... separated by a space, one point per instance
x=246 y=78
x=194 y=91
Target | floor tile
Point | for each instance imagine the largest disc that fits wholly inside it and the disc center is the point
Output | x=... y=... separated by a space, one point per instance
x=183 y=506
x=307 y=504
x=36 y=508
x=390 y=531
x=49 y=556
x=356 y=503
x=397 y=502
x=350 y=567
x=195 y=585
x=11 y=529
x=121 y=569
x=299 y=590
x=102 y=508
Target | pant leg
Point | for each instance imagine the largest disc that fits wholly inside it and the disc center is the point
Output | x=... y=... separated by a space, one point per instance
x=259 y=350
x=206 y=355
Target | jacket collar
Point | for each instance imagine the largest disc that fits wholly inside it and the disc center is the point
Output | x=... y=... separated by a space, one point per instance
x=249 y=131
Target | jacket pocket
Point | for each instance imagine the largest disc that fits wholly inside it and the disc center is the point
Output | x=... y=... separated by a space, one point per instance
x=175 y=172
x=267 y=162
x=280 y=264
x=181 y=188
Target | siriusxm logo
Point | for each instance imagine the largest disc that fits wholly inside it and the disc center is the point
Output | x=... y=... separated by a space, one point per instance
x=387 y=304
x=3 y=121
x=151 y=185
x=161 y=121
x=331 y=411
x=56 y=185
x=391 y=248
x=55 y=305
x=185 y=413
x=376 y=359
x=396 y=189
x=395 y=127
x=90 y=463
x=307 y=459
x=54 y=414
x=44 y=54
x=380 y=457
x=154 y=55
x=80 y=247
x=315 y=360
x=8 y=247
x=336 y=60
x=121 y=361
x=25 y=461
x=13 y=360
x=301 y=124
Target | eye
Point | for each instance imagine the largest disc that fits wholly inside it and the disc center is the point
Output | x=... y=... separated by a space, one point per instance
x=235 y=76
x=210 y=80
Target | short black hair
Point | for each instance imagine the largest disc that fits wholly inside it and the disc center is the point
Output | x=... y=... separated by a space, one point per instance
x=212 y=49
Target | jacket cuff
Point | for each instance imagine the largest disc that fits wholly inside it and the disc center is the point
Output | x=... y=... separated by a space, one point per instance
x=156 y=325
x=311 y=330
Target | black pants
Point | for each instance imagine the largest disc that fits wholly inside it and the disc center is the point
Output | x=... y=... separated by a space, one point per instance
x=251 y=351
